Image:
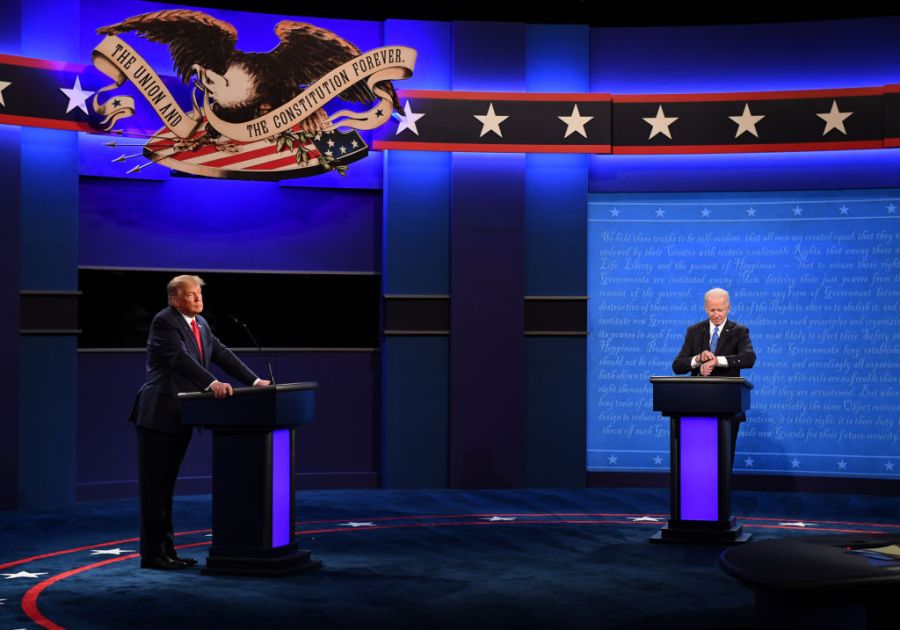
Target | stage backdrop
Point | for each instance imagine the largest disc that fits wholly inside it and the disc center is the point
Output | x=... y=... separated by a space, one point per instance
x=815 y=276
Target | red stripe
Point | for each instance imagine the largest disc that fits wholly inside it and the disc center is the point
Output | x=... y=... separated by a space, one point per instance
x=264 y=166
x=43 y=64
x=448 y=95
x=189 y=155
x=746 y=96
x=491 y=148
x=47 y=123
x=748 y=148
x=241 y=157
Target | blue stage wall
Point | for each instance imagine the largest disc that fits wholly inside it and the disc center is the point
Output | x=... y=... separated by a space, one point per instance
x=815 y=277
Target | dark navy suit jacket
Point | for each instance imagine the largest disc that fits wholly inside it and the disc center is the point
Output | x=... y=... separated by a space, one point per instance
x=734 y=344
x=174 y=365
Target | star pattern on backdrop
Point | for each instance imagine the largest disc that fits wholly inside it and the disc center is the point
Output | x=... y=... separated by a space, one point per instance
x=614 y=212
x=490 y=122
x=798 y=211
x=749 y=461
x=795 y=463
x=110 y=552
x=658 y=460
x=3 y=86
x=660 y=213
x=612 y=459
x=891 y=209
x=842 y=465
x=834 y=119
x=889 y=466
x=23 y=574
x=575 y=122
x=408 y=119
x=660 y=123
x=746 y=122
x=705 y=212
x=751 y=212
x=844 y=210
x=77 y=96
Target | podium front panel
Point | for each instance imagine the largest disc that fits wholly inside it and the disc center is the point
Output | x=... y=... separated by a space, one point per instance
x=698 y=468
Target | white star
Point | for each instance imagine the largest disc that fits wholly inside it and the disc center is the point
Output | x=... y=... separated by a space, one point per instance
x=704 y=212
x=660 y=124
x=575 y=122
x=892 y=209
x=22 y=574
x=612 y=459
x=76 y=96
x=3 y=86
x=354 y=144
x=798 y=211
x=357 y=524
x=110 y=552
x=795 y=463
x=657 y=460
x=889 y=466
x=842 y=465
x=495 y=519
x=643 y=519
x=329 y=153
x=746 y=122
x=343 y=149
x=660 y=212
x=330 y=143
x=751 y=212
x=845 y=211
x=834 y=119
x=614 y=212
x=490 y=122
x=797 y=524
x=748 y=462
x=408 y=120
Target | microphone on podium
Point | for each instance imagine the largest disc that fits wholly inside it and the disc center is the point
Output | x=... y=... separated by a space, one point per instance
x=255 y=343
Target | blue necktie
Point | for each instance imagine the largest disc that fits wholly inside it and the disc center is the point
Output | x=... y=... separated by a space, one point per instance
x=715 y=340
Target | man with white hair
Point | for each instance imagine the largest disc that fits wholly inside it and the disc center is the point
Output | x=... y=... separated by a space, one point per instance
x=180 y=349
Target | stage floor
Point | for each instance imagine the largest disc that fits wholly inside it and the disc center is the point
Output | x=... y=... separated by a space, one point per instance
x=412 y=559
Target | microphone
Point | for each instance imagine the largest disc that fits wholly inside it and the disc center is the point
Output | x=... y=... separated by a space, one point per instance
x=255 y=343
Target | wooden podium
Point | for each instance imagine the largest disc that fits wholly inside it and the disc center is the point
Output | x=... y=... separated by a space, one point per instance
x=253 y=476
x=702 y=412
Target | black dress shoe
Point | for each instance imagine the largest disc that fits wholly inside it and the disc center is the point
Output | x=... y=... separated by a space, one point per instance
x=163 y=563
x=188 y=562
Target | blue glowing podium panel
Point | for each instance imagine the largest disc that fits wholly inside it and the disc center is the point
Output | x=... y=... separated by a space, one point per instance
x=253 y=476
x=702 y=413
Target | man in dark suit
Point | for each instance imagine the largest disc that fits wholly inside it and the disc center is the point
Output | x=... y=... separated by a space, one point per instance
x=716 y=346
x=180 y=349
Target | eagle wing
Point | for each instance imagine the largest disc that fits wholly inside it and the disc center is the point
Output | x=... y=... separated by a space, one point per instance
x=307 y=53
x=193 y=38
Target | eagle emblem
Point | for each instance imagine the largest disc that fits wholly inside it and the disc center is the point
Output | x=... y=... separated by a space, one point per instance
x=256 y=115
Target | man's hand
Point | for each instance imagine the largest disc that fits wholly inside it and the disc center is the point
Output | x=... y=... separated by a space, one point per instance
x=262 y=383
x=221 y=390
x=708 y=366
x=706 y=355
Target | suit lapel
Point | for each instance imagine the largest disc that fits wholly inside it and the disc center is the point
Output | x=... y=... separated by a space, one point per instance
x=188 y=334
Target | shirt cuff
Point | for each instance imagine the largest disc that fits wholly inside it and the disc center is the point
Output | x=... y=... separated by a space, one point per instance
x=722 y=362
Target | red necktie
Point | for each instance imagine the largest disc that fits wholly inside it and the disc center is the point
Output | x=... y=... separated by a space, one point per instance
x=196 y=330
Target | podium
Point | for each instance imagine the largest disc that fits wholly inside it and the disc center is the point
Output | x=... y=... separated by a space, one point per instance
x=253 y=477
x=702 y=412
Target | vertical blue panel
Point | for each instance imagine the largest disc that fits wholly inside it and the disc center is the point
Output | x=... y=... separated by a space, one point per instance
x=488 y=57
x=47 y=442
x=487 y=348
x=281 y=487
x=9 y=314
x=416 y=261
x=414 y=419
x=50 y=30
x=698 y=468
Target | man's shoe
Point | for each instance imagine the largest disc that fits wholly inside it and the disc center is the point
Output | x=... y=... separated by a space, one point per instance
x=188 y=562
x=162 y=563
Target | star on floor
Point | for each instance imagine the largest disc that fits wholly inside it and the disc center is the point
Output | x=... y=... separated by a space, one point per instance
x=798 y=211
x=842 y=465
x=834 y=119
x=110 y=552
x=495 y=519
x=77 y=97
x=659 y=124
x=612 y=459
x=644 y=519
x=490 y=122
x=22 y=574
x=748 y=462
x=3 y=86
x=408 y=120
x=845 y=211
x=357 y=524
x=746 y=122
x=575 y=122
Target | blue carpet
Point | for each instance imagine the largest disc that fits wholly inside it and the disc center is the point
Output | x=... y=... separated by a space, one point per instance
x=413 y=559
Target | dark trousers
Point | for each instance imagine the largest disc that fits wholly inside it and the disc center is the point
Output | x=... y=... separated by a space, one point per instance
x=159 y=459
